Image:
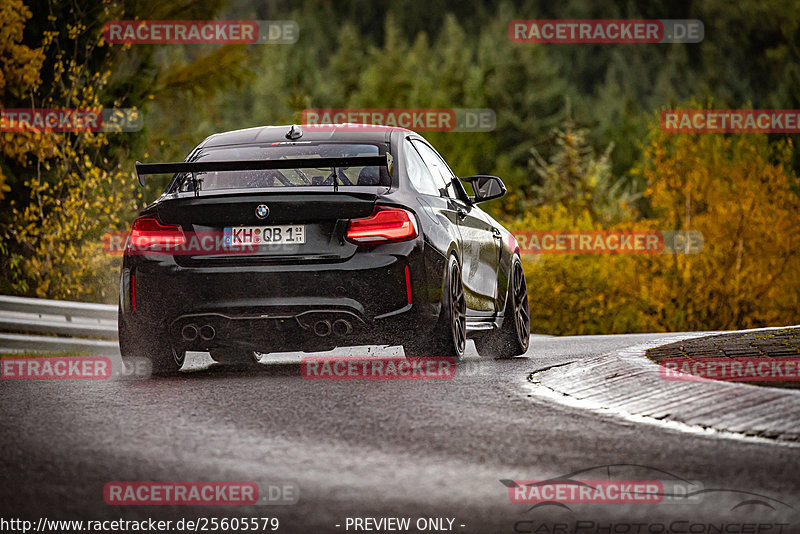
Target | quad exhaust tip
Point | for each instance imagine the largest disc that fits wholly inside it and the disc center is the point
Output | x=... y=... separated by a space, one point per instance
x=207 y=332
x=189 y=332
x=322 y=328
x=342 y=327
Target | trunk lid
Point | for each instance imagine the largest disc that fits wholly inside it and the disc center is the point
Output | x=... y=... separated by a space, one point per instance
x=322 y=216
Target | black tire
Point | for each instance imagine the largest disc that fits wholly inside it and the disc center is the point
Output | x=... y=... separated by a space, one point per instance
x=164 y=358
x=513 y=337
x=238 y=357
x=449 y=336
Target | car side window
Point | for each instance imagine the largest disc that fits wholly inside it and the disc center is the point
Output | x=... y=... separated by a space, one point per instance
x=418 y=172
x=439 y=169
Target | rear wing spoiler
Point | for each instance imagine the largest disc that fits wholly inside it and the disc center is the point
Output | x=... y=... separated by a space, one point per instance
x=143 y=169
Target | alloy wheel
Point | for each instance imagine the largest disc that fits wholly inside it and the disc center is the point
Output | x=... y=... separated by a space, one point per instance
x=520 y=302
x=458 y=312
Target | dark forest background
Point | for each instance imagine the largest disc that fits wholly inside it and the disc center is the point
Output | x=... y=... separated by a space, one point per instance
x=577 y=139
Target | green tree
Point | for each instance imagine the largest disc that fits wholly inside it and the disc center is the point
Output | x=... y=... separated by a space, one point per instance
x=579 y=179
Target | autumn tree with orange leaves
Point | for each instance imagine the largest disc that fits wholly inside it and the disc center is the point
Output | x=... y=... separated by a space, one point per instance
x=65 y=190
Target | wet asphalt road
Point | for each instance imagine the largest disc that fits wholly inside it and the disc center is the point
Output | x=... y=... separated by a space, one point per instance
x=415 y=449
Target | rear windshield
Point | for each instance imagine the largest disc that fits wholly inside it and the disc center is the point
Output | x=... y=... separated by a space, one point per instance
x=301 y=177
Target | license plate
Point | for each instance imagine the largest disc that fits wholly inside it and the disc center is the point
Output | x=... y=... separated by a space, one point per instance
x=265 y=235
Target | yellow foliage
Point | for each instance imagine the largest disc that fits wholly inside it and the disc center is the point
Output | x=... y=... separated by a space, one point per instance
x=738 y=191
x=19 y=75
x=57 y=233
x=578 y=294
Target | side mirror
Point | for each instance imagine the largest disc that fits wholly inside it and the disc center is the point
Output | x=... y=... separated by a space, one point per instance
x=485 y=187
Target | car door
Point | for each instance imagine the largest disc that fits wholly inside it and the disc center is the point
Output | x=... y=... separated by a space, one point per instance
x=480 y=246
x=438 y=214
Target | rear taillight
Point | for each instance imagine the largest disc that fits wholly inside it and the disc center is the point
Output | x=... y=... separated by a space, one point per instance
x=384 y=225
x=148 y=231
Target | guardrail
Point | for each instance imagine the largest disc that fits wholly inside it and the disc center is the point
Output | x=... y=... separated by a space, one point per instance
x=69 y=323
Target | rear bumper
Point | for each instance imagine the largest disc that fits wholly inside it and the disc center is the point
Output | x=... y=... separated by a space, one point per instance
x=313 y=329
x=307 y=306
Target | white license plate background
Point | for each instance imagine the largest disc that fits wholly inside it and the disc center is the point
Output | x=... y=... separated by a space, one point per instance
x=293 y=234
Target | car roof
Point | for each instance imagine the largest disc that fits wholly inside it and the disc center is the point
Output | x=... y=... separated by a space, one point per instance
x=349 y=132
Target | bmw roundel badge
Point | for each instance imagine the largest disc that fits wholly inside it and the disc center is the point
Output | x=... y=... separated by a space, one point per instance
x=262 y=211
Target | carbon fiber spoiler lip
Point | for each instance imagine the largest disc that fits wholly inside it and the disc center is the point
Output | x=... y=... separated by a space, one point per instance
x=143 y=169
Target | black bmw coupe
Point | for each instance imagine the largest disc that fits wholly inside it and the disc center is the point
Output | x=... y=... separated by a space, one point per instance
x=307 y=238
